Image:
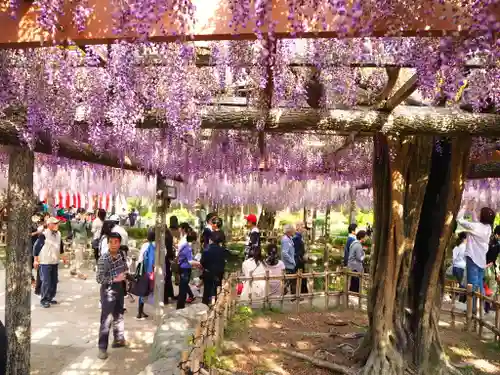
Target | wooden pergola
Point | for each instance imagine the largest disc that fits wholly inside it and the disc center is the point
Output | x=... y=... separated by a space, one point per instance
x=390 y=115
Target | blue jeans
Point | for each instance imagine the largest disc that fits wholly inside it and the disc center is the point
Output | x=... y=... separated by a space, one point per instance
x=458 y=273
x=184 y=288
x=49 y=278
x=475 y=276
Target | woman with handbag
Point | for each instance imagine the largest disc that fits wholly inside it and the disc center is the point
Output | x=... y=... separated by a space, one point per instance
x=185 y=263
x=146 y=273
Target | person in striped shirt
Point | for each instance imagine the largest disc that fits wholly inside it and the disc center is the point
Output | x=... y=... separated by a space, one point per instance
x=111 y=273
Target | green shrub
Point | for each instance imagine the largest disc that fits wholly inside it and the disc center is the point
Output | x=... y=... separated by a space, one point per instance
x=339 y=241
x=137 y=233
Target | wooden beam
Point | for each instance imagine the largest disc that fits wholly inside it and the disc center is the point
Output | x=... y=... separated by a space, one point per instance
x=404 y=119
x=402 y=94
x=482 y=171
x=392 y=79
x=20 y=205
x=70 y=149
x=212 y=21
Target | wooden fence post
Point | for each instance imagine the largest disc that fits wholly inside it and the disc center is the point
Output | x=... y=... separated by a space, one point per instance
x=347 y=278
x=298 y=284
x=267 y=288
x=480 y=309
x=310 y=290
x=469 y=308
x=283 y=288
x=497 y=316
x=184 y=363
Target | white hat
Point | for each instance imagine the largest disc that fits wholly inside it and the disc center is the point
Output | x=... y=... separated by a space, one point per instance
x=52 y=220
x=114 y=218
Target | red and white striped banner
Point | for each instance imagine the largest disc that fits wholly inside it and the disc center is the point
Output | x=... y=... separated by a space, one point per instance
x=67 y=199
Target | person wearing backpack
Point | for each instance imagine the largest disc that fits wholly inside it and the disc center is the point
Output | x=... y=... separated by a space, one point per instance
x=356 y=258
x=146 y=265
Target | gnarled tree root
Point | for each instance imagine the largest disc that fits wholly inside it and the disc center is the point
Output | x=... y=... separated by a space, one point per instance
x=384 y=361
x=319 y=362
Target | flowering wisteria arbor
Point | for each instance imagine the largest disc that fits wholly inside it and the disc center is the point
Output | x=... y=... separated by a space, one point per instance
x=419 y=79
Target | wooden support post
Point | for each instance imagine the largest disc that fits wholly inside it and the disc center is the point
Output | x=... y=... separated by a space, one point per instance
x=229 y=228
x=352 y=205
x=326 y=229
x=161 y=209
x=20 y=205
x=313 y=226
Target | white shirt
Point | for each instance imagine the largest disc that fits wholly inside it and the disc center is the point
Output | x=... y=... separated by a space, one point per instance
x=96 y=228
x=478 y=238
x=122 y=232
x=258 y=287
x=459 y=256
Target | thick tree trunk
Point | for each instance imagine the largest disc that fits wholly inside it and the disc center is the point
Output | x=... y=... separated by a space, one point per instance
x=160 y=228
x=410 y=182
x=266 y=219
x=400 y=170
x=20 y=203
x=441 y=204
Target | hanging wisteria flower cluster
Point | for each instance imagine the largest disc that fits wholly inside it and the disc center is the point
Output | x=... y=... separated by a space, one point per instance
x=153 y=102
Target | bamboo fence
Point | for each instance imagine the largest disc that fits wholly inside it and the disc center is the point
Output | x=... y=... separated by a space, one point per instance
x=332 y=290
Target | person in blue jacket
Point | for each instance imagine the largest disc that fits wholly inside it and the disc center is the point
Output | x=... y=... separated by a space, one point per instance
x=350 y=239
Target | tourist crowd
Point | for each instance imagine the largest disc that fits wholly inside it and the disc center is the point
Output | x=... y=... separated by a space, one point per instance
x=198 y=262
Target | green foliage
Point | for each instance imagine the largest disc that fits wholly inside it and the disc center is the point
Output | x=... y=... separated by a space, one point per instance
x=184 y=216
x=240 y=321
x=339 y=241
x=210 y=357
x=236 y=247
x=142 y=205
x=320 y=221
x=364 y=217
x=137 y=233
x=283 y=218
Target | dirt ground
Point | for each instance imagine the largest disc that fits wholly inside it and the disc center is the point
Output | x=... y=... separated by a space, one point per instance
x=253 y=339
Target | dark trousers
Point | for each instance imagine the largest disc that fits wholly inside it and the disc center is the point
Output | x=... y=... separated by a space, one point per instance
x=184 y=288
x=49 y=278
x=38 y=283
x=112 y=308
x=458 y=273
x=303 y=283
x=354 y=284
x=168 y=290
x=291 y=283
x=210 y=285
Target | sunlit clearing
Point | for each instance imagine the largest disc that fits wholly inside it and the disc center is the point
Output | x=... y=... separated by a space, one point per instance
x=444 y=324
x=274 y=367
x=254 y=348
x=40 y=334
x=56 y=324
x=462 y=352
x=484 y=366
x=262 y=323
